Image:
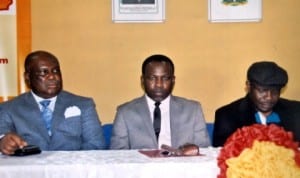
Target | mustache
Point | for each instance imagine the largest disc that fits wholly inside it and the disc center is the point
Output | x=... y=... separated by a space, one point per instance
x=54 y=82
x=158 y=90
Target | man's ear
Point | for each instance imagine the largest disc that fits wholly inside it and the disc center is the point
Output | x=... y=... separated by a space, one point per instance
x=248 y=85
x=142 y=82
x=27 y=79
x=173 y=79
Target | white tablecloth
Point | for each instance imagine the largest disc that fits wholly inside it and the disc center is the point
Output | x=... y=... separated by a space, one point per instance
x=108 y=164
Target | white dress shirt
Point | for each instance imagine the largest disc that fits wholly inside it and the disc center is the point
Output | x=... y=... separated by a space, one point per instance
x=262 y=118
x=165 y=130
x=39 y=99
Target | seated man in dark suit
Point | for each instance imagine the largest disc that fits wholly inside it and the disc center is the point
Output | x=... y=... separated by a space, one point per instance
x=262 y=104
x=71 y=121
x=158 y=117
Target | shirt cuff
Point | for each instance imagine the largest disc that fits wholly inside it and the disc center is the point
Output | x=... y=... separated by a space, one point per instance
x=1 y=136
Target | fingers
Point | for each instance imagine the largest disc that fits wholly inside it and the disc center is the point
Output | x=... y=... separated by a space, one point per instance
x=10 y=142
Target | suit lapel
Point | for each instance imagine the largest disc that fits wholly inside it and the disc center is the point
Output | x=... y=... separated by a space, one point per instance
x=144 y=112
x=34 y=115
x=58 y=114
x=175 y=113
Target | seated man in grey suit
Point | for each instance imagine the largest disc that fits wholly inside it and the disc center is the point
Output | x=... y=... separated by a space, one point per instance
x=73 y=121
x=158 y=117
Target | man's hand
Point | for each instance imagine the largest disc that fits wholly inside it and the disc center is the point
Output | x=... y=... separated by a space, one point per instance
x=10 y=142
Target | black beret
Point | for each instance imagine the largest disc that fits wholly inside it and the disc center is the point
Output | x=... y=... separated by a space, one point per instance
x=267 y=73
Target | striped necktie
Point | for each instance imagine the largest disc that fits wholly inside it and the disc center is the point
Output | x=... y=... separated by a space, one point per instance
x=46 y=114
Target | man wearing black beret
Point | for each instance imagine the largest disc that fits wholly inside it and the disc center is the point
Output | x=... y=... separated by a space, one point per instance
x=262 y=104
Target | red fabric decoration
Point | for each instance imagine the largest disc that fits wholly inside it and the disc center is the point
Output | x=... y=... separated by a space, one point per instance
x=244 y=138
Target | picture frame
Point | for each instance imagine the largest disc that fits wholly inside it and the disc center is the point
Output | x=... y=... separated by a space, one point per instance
x=138 y=11
x=234 y=10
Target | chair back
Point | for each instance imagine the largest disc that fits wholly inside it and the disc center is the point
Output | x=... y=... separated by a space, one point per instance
x=210 y=129
x=107 y=128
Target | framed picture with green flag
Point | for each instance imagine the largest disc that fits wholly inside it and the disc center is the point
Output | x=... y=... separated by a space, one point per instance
x=234 y=10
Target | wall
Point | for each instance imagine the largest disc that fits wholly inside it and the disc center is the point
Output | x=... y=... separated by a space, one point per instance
x=103 y=60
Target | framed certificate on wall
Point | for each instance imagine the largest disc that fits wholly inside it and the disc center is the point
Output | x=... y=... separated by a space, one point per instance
x=138 y=11
x=234 y=10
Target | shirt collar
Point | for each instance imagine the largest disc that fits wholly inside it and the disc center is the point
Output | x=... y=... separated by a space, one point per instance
x=152 y=102
x=164 y=105
x=39 y=99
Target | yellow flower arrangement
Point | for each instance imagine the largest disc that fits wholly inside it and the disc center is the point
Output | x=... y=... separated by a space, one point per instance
x=260 y=151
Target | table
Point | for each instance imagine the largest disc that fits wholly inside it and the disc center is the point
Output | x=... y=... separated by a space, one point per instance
x=109 y=164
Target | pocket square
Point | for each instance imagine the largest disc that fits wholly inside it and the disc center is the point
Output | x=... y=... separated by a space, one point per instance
x=72 y=111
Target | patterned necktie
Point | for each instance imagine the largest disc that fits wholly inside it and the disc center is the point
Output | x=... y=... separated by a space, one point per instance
x=46 y=114
x=156 y=119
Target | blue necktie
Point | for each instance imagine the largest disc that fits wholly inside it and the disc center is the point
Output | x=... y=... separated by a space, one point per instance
x=46 y=114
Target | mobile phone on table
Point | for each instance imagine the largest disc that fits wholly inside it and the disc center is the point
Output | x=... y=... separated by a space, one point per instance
x=27 y=150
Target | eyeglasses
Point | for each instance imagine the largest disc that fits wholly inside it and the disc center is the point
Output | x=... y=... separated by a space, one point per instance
x=46 y=72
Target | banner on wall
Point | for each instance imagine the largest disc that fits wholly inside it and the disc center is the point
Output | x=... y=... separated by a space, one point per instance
x=8 y=49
